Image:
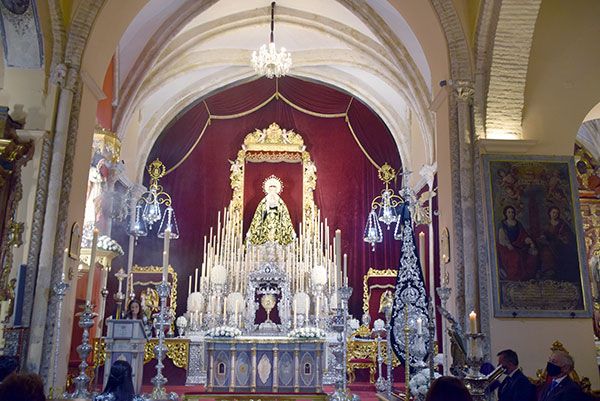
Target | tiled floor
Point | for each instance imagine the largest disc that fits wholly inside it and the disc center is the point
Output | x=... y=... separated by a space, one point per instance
x=365 y=391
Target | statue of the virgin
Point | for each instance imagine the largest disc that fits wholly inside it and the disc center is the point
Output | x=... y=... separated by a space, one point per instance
x=271 y=221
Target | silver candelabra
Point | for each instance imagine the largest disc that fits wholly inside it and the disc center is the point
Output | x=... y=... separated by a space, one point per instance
x=161 y=322
x=86 y=320
x=341 y=392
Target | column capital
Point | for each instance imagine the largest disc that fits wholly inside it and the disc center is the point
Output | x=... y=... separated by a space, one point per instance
x=64 y=76
x=464 y=90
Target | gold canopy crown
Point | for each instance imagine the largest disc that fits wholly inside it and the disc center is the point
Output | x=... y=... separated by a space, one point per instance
x=274 y=139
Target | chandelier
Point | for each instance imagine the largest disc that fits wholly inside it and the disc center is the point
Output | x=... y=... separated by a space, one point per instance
x=390 y=208
x=148 y=209
x=269 y=62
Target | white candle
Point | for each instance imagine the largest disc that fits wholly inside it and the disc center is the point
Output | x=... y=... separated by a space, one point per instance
x=473 y=322
x=195 y=280
x=165 y=264
x=190 y=285
x=90 y=283
x=422 y=252
x=166 y=244
x=295 y=313
x=345 y=270
x=338 y=254
x=419 y=326
x=225 y=308
x=65 y=268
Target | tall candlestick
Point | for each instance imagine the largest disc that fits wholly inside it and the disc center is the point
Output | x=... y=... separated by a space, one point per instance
x=473 y=322
x=345 y=270
x=422 y=253
x=317 y=311
x=295 y=313
x=307 y=307
x=166 y=243
x=90 y=283
x=338 y=255
x=165 y=266
x=237 y=301
x=65 y=267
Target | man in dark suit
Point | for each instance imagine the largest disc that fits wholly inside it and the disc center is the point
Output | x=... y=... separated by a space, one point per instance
x=515 y=386
x=561 y=388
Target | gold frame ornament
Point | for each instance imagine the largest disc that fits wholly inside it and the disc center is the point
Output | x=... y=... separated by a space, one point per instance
x=366 y=289
x=274 y=144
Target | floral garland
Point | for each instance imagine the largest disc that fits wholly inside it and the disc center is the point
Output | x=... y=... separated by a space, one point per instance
x=224 y=331
x=419 y=383
x=307 y=332
x=109 y=244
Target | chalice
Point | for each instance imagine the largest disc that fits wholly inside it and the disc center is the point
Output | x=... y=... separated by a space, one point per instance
x=268 y=302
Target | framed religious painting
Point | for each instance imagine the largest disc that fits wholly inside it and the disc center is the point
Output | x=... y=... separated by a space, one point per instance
x=537 y=250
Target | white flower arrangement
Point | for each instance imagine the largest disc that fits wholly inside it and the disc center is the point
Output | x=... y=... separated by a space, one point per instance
x=224 y=331
x=109 y=244
x=181 y=322
x=308 y=332
x=419 y=383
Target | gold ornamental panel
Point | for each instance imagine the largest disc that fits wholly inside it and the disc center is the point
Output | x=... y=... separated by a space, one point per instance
x=367 y=289
x=274 y=144
x=150 y=276
x=178 y=351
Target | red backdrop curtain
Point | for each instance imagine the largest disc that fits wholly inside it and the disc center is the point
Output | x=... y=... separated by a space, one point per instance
x=346 y=180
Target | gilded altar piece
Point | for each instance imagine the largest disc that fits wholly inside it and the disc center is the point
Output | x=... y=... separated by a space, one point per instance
x=271 y=221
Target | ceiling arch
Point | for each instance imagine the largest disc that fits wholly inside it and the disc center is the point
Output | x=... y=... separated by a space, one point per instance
x=370 y=62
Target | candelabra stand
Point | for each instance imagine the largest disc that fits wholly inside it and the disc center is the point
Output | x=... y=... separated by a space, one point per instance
x=341 y=392
x=475 y=354
x=86 y=320
x=318 y=295
x=406 y=355
x=381 y=385
x=456 y=334
x=60 y=290
x=430 y=346
x=161 y=322
x=388 y=338
x=474 y=380
x=119 y=297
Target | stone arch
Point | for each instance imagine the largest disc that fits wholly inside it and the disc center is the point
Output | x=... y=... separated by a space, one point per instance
x=510 y=59
x=402 y=73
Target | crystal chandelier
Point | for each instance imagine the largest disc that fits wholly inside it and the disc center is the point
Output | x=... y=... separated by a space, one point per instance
x=389 y=208
x=148 y=208
x=268 y=61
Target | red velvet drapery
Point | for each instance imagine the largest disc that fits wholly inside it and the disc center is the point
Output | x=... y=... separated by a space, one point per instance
x=346 y=180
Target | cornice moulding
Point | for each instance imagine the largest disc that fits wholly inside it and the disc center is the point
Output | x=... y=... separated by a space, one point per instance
x=505 y=145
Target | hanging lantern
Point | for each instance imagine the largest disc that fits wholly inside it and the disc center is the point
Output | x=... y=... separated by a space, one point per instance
x=387 y=213
x=373 y=232
x=168 y=222
x=138 y=227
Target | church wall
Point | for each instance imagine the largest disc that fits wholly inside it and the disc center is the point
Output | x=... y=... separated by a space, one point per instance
x=25 y=94
x=418 y=158
x=562 y=86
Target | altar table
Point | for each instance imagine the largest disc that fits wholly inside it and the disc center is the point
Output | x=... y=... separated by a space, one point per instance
x=265 y=365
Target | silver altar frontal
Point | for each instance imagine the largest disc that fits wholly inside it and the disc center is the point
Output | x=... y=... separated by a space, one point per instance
x=265 y=365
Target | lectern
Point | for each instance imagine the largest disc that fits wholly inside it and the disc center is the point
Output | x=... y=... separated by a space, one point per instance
x=125 y=340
